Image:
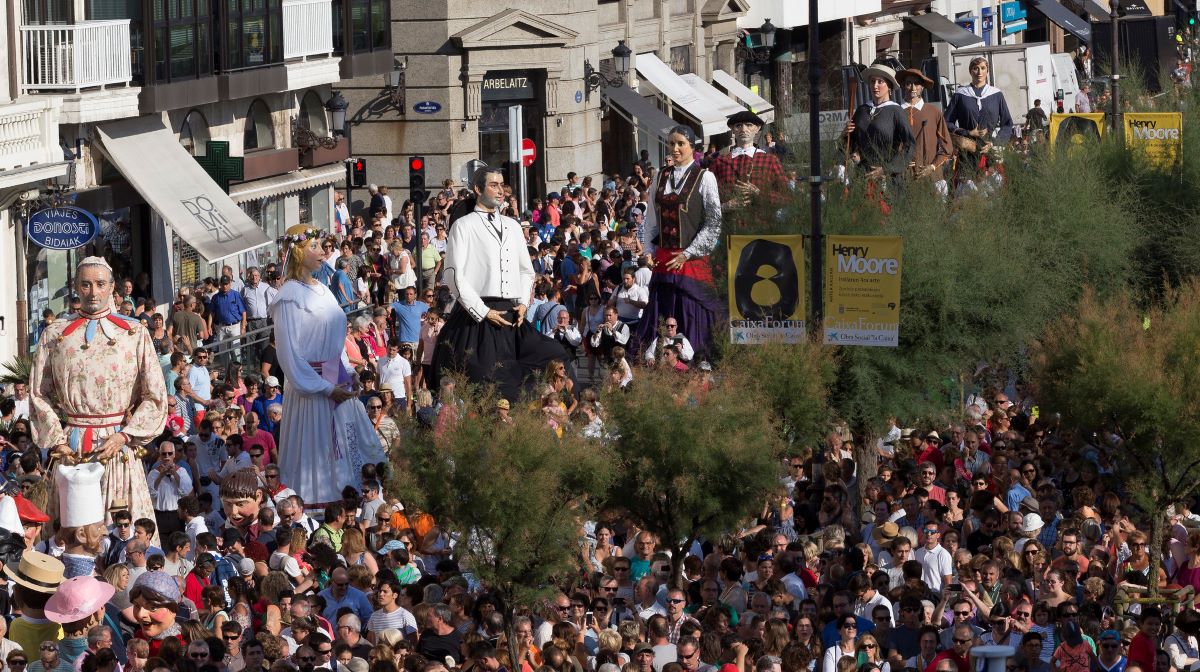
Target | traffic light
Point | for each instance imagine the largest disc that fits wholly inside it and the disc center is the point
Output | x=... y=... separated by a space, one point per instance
x=358 y=173
x=416 y=179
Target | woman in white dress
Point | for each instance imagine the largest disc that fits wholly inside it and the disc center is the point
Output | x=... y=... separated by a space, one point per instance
x=320 y=451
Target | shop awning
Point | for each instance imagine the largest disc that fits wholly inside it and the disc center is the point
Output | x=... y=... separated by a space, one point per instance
x=1065 y=18
x=671 y=85
x=287 y=184
x=723 y=104
x=161 y=170
x=1099 y=13
x=634 y=107
x=945 y=30
x=750 y=99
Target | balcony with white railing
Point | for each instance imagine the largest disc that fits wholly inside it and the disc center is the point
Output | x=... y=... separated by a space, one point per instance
x=307 y=28
x=28 y=133
x=74 y=57
x=308 y=44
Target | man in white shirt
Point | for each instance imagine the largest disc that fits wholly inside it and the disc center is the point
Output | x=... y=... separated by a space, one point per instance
x=193 y=523
x=630 y=299
x=341 y=214
x=490 y=277
x=168 y=482
x=199 y=376
x=673 y=337
x=396 y=371
x=937 y=565
x=21 y=400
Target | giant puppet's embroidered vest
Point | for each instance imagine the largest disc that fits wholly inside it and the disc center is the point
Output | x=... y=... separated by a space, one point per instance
x=681 y=212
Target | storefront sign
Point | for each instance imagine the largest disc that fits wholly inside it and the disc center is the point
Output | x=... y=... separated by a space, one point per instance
x=862 y=290
x=62 y=228
x=766 y=289
x=1157 y=135
x=832 y=122
x=427 y=107
x=1012 y=11
x=508 y=85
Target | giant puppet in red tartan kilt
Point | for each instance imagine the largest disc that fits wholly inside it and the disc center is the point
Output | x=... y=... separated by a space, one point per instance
x=747 y=174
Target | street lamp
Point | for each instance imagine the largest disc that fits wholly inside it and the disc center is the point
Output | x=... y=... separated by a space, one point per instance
x=396 y=84
x=593 y=79
x=767 y=31
x=337 y=106
x=761 y=53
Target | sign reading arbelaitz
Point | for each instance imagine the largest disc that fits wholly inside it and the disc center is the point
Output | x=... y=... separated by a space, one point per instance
x=1157 y=135
x=862 y=290
x=766 y=289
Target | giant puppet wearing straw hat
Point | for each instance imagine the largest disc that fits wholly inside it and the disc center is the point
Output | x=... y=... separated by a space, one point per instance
x=99 y=371
x=880 y=141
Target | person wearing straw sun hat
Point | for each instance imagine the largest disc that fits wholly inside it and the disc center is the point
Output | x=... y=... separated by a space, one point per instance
x=35 y=579
x=880 y=141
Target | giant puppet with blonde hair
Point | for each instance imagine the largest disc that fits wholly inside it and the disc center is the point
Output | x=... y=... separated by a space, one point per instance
x=325 y=436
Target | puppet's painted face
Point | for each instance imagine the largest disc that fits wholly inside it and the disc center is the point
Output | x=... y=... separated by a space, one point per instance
x=154 y=620
x=241 y=511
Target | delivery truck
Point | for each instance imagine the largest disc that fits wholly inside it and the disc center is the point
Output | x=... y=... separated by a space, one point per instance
x=1024 y=73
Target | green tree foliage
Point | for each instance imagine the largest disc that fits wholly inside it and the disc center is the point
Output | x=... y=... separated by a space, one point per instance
x=691 y=461
x=516 y=492
x=793 y=381
x=1104 y=368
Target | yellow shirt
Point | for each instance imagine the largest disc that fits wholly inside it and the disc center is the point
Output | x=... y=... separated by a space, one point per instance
x=30 y=634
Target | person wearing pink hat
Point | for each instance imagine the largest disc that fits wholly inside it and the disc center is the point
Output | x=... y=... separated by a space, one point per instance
x=77 y=605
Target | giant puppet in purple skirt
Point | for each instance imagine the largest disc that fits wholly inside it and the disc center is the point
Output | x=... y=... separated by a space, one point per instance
x=683 y=227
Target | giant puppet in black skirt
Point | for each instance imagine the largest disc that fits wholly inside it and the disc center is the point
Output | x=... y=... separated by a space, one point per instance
x=487 y=336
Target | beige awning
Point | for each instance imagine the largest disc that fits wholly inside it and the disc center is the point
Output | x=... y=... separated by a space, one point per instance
x=750 y=99
x=150 y=157
x=289 y=183
x=680 y=93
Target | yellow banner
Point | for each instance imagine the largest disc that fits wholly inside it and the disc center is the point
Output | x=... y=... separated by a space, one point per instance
x=862 y=290
x=766 y=289
x=1068 y=131
x=1158 y=135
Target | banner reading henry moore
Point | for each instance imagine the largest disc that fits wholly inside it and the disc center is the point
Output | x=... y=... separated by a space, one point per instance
x=862 y=290
x=1157 y=135
x=766 y=289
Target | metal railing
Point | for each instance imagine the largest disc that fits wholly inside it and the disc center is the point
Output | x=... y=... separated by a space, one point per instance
x=247 y=346
x=76 y=56
x=306 y=29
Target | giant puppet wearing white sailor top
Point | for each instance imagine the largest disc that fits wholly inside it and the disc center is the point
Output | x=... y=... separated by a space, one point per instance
x=490 y=276
x=978 y=118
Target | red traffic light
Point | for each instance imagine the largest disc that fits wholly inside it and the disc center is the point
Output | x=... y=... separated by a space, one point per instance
x=416 y=164
x=359 y=164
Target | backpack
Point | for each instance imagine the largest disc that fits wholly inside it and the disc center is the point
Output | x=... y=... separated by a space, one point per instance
x=225 y=572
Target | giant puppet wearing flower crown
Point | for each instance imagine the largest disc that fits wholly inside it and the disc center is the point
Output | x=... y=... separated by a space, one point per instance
x=100 y=371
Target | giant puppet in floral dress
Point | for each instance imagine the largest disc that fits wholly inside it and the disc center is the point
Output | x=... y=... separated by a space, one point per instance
x=98 y=370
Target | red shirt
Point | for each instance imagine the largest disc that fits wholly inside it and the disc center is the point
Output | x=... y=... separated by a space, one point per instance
x=262 y=439
x=963 y=665
x=1142 y=651
x=194 y=587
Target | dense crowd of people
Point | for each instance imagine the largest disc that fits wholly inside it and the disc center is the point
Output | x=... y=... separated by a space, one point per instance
x=999 y=529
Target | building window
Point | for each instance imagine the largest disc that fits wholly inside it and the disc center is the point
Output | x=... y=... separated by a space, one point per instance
x=41 y=12
x=312 y=114
x=681 y=59
x=369 y=25
x=253 y=35
x=193 y=134
x=260 y=132
x=182 y=35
